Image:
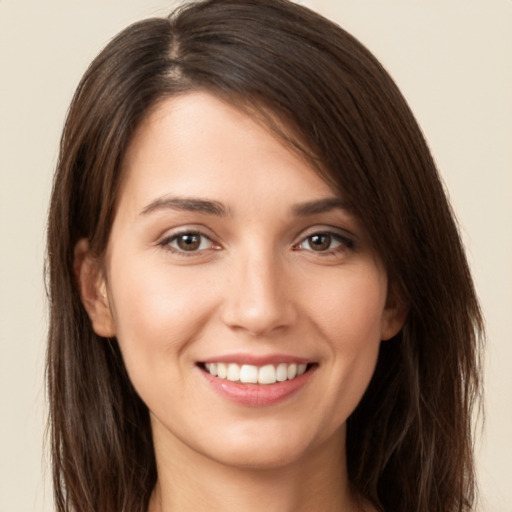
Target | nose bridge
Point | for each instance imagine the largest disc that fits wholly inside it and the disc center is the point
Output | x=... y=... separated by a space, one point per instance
x=258 y=300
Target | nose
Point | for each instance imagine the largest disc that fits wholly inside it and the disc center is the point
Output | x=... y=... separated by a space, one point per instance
x=260 y=299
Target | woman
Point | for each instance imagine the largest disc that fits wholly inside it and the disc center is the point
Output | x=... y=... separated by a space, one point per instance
x=259 y=298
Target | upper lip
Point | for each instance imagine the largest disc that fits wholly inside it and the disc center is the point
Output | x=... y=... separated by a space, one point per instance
x=256 y=360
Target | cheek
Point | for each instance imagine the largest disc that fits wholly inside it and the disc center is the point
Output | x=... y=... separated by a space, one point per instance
x=348 y=316
x=157 y=313
x=349 y=308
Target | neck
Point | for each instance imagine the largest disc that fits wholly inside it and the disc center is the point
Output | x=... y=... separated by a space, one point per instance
x=189 y=481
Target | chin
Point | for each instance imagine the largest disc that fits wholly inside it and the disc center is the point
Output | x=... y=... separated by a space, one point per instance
x=271 y=448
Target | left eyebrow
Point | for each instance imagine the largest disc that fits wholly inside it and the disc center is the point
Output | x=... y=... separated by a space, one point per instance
x=189 y=204
x=319 y=206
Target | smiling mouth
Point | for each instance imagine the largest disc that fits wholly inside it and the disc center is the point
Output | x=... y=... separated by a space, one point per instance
x=251 y=374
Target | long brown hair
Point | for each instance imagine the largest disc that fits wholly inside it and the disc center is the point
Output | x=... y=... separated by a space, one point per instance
x=409 y=442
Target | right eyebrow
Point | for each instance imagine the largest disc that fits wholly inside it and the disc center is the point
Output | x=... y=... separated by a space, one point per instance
x=320 y=206
x=189 y=204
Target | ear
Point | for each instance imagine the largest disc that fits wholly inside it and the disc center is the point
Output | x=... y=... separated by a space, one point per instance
x=93 y=289
x=393 y=317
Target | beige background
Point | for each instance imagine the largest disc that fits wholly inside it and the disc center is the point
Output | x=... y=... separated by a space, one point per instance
x=451 y=58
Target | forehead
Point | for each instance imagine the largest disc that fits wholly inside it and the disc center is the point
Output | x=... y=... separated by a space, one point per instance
x=202 y=145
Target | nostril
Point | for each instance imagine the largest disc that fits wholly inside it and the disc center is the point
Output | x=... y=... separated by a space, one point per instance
x=258 y=318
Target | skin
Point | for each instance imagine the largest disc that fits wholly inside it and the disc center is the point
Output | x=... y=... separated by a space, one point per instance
x=257 y=284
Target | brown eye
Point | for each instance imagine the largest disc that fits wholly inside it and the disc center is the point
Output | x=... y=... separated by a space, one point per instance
x=319 y=242
x=326 y=243
x=188 y=242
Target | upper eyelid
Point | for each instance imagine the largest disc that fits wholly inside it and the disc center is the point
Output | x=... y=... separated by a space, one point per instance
x=197 y=229
x=174 y=236
x=326 y=229
x=343 y=240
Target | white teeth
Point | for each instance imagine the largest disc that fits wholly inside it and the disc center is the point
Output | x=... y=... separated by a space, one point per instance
x=250 y=374
x=267 y=374
x=282 y=372
x=222 y=370
x=233 y=372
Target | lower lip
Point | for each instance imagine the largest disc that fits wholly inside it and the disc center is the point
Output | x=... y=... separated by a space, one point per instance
x=258 y=395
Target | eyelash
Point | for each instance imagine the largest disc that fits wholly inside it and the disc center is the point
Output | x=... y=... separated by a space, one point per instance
x=344 y=242
x=166 y=243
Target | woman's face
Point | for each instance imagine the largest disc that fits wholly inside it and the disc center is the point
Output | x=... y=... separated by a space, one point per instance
x=231 y=259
